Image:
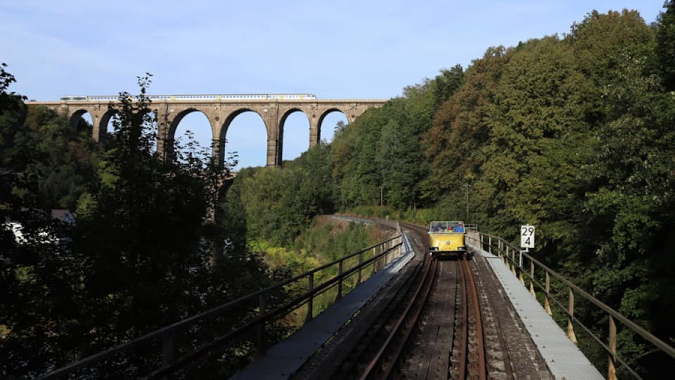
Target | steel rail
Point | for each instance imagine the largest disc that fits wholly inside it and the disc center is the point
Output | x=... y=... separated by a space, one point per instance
x=425 y=285
x=471 y=288
x=464 y=343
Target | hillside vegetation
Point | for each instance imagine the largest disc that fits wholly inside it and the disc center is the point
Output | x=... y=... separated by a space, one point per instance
x=573 y=134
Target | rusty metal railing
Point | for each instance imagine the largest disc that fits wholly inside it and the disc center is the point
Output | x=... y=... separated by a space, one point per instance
x=515 y=261
x=471 y=227
x=163 y=344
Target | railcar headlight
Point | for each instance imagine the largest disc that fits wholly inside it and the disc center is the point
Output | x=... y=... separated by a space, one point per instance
x=447 y=242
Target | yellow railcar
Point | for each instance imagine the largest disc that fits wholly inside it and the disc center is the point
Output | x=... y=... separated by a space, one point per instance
x=446 y=238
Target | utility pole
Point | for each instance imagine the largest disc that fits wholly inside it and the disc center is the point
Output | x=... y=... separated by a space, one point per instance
x=467 y=202
x=381 y=189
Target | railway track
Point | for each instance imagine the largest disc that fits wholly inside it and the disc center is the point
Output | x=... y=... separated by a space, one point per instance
x=468 y=348
x=377 y=353
x=441 y=319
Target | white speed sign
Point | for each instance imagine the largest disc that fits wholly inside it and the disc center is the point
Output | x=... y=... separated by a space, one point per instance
x=527 y=236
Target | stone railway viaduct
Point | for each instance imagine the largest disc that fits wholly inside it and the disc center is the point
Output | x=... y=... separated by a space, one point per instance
x=220 y=112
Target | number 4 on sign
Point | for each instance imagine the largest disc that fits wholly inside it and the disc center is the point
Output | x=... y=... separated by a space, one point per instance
x=527 y=236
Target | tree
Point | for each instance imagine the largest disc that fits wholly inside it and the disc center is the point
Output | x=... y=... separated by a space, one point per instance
x=140 y=256
x=280 y=204
x=665 y=44
x=144 y=228
x=38 y=274
x=460 y=129
x=446 y=84
x=65 y=159
x=14 y=141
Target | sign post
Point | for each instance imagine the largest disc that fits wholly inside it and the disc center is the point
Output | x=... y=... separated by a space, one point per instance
x=526 y=240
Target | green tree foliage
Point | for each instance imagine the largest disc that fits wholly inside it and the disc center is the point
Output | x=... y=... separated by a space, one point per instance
x=332 y=240
x=601 y=42
x=65 y=159
x=533 y=123
x=446 y=84
x=144 y=227
x=355 y=171
x=460 y=129
x=382 y=151
x=53 y=161
x=279 y=204
x=14 y=140
x=38 y=275
x=142 y=254
x=665 y=45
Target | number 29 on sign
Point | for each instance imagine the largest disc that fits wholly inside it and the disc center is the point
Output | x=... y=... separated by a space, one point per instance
x=527 y=236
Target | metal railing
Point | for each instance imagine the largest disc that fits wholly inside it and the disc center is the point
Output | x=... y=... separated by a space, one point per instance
x=471 y=227
x=515 y=261
x=170 y=358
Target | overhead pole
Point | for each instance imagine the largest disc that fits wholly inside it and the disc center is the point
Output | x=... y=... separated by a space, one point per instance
x=467 y=201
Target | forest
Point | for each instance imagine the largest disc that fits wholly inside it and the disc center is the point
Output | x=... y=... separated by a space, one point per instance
x=573 y=134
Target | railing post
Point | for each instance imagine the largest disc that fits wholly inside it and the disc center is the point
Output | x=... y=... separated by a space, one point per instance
x=490 y=244
x=383 y=249
x=383 y=254
x=532 y=279
x=391 y=254
x=262 y=305
x=513 y=262
x=339 y=294
x=505 y=257
x=547 y=305
x=380 y=261
x=611 y=373
x=168 y=350
x=358 y=279
x=374 y=263
x=570 y=326
x=310 y=301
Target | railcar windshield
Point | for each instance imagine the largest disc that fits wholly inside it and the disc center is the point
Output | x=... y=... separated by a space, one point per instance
x=439 y=227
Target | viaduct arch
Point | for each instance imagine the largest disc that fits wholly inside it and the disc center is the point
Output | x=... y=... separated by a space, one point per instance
x=220 y=112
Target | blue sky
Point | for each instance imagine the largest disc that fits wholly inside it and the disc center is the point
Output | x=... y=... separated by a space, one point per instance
x=334 y=49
